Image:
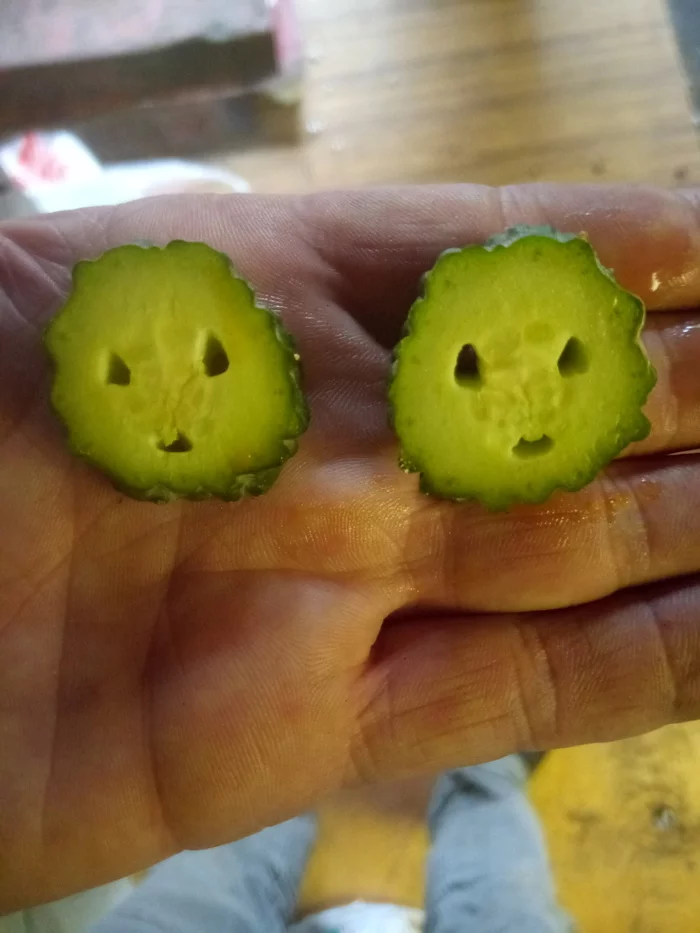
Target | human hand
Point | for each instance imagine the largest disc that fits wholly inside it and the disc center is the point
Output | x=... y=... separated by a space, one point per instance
x=181 y=675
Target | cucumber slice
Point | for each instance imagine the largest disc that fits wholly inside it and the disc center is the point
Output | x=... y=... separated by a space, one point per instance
x=521 y=370
x=170 y=378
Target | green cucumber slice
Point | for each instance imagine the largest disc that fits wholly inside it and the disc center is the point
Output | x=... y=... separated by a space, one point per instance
x=169 y=377
x=521 y=370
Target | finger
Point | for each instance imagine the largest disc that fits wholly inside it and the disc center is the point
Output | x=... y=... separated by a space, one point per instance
x=673 y=344
x=444 y=692
x=639 y=522
x=36 y=257
x=380 y=243
x=366 y=249
x=371 y=247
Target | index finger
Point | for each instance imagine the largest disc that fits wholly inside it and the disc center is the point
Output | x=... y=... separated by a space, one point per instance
x=380 y=242
x=445 y=691
x=370 y=247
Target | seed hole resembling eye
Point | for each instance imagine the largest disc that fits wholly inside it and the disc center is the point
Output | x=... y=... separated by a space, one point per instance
x=526 y=450
x=574 y=358
x=181 y=445
x=215 y=358
x=118 y=373
x=467 y=368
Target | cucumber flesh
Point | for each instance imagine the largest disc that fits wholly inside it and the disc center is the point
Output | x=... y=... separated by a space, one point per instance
x=521 y=371
x=170 y=378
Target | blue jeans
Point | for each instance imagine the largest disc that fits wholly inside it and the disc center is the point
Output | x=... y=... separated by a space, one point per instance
x=488 y=870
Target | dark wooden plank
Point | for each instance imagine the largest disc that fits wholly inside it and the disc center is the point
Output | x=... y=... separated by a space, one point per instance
x=34 y=32
x=196 y=129
x=67 y=61
x=57 y=95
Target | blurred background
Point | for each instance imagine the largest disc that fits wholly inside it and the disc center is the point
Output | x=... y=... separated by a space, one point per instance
x=105 y=100
x=306 y=94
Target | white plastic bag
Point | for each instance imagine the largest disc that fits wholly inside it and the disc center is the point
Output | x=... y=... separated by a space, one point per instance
x=56 y=172
x=360 y=917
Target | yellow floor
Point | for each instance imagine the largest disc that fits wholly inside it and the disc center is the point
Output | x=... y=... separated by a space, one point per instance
x=372 y=846
x=622 y=822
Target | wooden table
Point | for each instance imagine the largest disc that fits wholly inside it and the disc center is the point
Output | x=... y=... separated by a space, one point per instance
x=490 y=91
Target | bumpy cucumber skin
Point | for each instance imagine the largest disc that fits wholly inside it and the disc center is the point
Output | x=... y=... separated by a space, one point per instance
x=636 y=427
x=242 y=485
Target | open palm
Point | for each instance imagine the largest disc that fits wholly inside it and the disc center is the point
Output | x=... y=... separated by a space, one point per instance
x=180 y=675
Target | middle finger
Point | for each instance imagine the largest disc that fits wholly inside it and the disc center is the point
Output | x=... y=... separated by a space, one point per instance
x=638 y=522
x=673 y=344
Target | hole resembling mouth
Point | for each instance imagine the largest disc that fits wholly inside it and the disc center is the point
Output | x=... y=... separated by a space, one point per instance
x=528 y=450
x=181 y=445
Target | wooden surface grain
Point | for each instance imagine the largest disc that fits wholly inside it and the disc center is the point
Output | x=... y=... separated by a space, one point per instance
x=491 y=91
